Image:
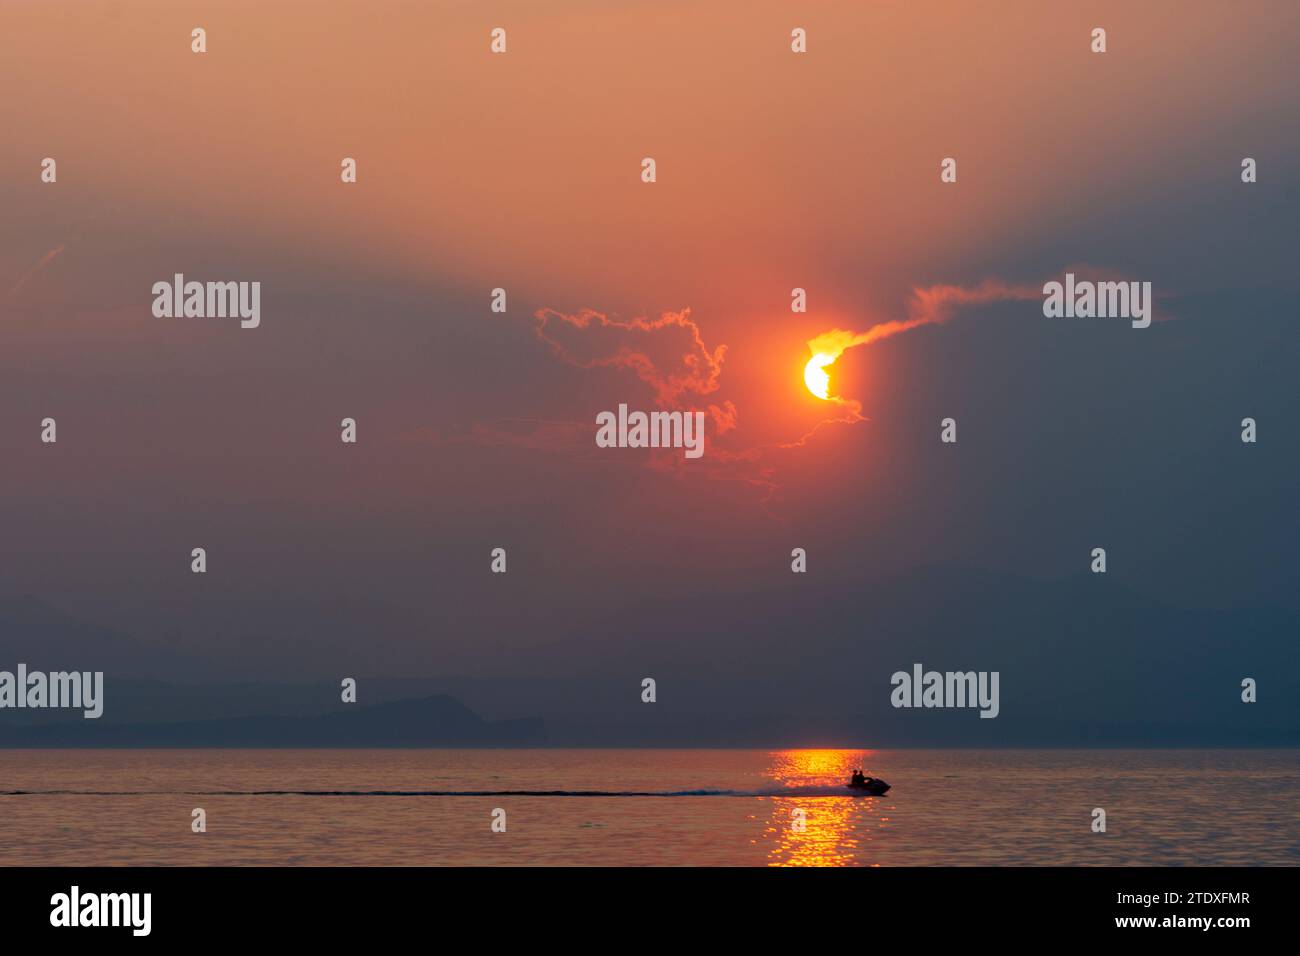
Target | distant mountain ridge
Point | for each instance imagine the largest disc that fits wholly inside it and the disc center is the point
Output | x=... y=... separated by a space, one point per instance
x=39 y=634
x=437 y=721
x=1084 y=661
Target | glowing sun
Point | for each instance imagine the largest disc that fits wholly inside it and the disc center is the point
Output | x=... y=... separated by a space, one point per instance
x=815 y=377
x=825 y=349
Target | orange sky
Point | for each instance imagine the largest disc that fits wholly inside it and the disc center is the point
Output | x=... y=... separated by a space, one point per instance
x=522 y=171
x=774 y=169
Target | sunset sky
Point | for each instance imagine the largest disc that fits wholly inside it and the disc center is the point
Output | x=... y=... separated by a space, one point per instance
x=522 y=171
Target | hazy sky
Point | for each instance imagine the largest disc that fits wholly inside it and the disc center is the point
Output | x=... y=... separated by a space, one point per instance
x=522 y=171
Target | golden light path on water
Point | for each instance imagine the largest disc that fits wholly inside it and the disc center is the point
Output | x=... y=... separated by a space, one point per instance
x=821 y=829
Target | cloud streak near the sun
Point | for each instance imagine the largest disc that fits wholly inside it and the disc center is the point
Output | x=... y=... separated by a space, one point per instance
x=926 y=306
x=669 y=354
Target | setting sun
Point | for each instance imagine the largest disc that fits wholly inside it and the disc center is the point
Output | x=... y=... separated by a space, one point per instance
x=828 y=347
x=815 y=377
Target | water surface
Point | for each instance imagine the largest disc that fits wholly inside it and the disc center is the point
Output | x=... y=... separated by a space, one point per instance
x=648 y=807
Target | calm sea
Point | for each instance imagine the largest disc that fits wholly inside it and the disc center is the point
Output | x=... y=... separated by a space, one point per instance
x=656 y=807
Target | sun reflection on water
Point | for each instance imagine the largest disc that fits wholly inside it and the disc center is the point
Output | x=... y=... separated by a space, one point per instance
x=836 y=830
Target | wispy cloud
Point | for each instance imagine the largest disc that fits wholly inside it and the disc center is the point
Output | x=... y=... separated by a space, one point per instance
x=667 y=353
x=41 y=263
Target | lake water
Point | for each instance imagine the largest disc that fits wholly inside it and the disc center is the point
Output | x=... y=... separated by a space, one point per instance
x=709 y=807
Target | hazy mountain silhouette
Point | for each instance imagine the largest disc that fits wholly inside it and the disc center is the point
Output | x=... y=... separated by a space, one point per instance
x=44 y=637
x=437 y=721
x=803 y=661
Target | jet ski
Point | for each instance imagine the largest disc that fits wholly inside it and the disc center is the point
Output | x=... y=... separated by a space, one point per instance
x=870 y=787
